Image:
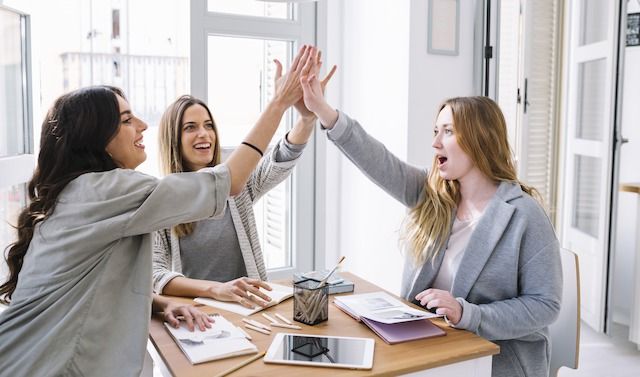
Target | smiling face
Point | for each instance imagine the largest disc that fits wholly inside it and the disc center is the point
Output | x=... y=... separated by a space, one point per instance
x=198 y=138
x=452 y=162
x=126 y=148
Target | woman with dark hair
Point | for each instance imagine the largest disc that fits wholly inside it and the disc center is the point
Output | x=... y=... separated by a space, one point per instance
x=220 y=258
x=80 y=273
x=479 y=247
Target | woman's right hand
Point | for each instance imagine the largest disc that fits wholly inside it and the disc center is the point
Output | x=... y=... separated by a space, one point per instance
x=315 y=65
x=288 y=92
x=244 y=290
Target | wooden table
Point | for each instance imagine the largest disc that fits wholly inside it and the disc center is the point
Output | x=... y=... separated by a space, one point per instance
x=634 y=326
x=460 y=352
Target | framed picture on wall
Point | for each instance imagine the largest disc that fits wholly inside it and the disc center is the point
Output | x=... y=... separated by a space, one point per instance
x=443 y=29
x=633 y=29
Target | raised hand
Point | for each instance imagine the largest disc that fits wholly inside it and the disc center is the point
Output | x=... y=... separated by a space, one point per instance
x=287 y=88
x=315 y=64
x=313 y=96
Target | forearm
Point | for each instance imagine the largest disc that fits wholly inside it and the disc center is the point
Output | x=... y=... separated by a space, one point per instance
x=402 y=181
x=158 y=303
x=244 y=159
x=302 y=131
x=186 y=287
x=327 y=116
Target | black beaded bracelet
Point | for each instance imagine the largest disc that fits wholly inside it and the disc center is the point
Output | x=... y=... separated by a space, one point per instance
x=253 y=147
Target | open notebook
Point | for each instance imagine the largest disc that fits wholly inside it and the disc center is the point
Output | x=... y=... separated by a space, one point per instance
x=278 y=294
x=222 y=340
x=391 y=319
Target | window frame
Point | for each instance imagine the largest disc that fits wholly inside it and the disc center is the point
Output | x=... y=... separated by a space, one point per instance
x=17 y=169
x=301 y=30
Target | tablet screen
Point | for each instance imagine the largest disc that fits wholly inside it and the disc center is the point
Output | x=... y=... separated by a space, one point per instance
x=322 y=351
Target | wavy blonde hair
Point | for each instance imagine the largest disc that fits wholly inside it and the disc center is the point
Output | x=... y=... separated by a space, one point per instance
x=170 y=138
x=481 y=132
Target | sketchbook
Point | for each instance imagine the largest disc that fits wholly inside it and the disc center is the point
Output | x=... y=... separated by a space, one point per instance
x=380 y=307
x=278 y=294
x=404 y=331
x=220 y=341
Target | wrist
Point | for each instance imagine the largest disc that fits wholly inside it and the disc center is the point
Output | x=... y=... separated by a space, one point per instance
x=277 y=104
x=211 y=289
x=308 y=119
x=328 y=116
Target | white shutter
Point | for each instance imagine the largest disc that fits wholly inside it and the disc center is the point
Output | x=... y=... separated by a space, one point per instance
x=528 y=70
x=539 y=127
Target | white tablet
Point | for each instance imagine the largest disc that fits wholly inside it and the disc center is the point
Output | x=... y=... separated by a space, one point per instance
x=321 y=351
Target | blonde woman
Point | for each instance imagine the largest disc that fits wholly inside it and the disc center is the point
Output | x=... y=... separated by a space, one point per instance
x=480 y=249
x=219 y=258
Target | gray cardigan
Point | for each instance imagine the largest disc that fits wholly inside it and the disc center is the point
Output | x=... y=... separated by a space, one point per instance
x=274 y=168
x=509 y=282
x=83 y=300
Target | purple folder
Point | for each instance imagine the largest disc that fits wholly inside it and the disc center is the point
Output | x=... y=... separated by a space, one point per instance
x=404 y=331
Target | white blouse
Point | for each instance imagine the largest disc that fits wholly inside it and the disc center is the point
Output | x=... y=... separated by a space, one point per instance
x=460 y=234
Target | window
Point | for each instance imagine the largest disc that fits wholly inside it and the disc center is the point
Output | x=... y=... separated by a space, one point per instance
x=115 y=24
x=251 y=8
x=141 y=47
x=16 y=160
x=233 y=46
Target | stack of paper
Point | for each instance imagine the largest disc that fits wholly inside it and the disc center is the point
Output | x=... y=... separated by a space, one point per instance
x=278 y=294
x=220 y=341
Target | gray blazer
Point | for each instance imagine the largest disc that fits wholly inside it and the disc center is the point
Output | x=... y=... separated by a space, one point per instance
x=83 y=299
x=509 y=282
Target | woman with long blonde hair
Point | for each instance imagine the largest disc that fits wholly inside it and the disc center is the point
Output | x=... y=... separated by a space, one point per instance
x=480 y=249
x=79 y=288
x=221 y=257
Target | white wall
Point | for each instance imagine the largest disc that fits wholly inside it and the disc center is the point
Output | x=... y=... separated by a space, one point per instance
x=393 y=87
x=627 y=222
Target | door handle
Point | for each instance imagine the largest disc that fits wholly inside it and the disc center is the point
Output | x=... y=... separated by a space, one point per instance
x=526 y=95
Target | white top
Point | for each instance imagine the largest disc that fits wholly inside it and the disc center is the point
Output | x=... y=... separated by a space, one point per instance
x=460 y=234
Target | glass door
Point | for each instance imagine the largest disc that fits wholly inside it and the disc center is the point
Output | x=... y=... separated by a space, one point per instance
x=589 y=147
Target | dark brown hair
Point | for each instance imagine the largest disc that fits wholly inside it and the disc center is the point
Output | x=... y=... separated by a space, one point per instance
x=74 y=137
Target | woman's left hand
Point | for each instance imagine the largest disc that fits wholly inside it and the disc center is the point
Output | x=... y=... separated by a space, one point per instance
x=174 y=312
x=444 y=303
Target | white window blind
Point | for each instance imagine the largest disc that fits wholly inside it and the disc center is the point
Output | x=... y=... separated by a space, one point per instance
x=528 y=86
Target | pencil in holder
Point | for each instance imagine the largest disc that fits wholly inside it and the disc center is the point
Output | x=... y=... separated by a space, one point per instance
x=310 y=302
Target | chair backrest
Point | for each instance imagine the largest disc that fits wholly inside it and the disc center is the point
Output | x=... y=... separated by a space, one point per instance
x=565 y=331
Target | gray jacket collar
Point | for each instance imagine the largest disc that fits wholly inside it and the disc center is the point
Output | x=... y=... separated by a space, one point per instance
x=481 y=244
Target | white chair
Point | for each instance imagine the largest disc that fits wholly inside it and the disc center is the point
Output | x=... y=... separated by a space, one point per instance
x=565 y=331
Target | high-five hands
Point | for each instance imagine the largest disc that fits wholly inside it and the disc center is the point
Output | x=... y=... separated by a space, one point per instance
x=287 y=88
x=313 y=96
x=312 y=67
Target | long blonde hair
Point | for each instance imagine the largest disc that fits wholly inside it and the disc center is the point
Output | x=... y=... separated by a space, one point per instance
x=170 y=137
x=481 y=132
